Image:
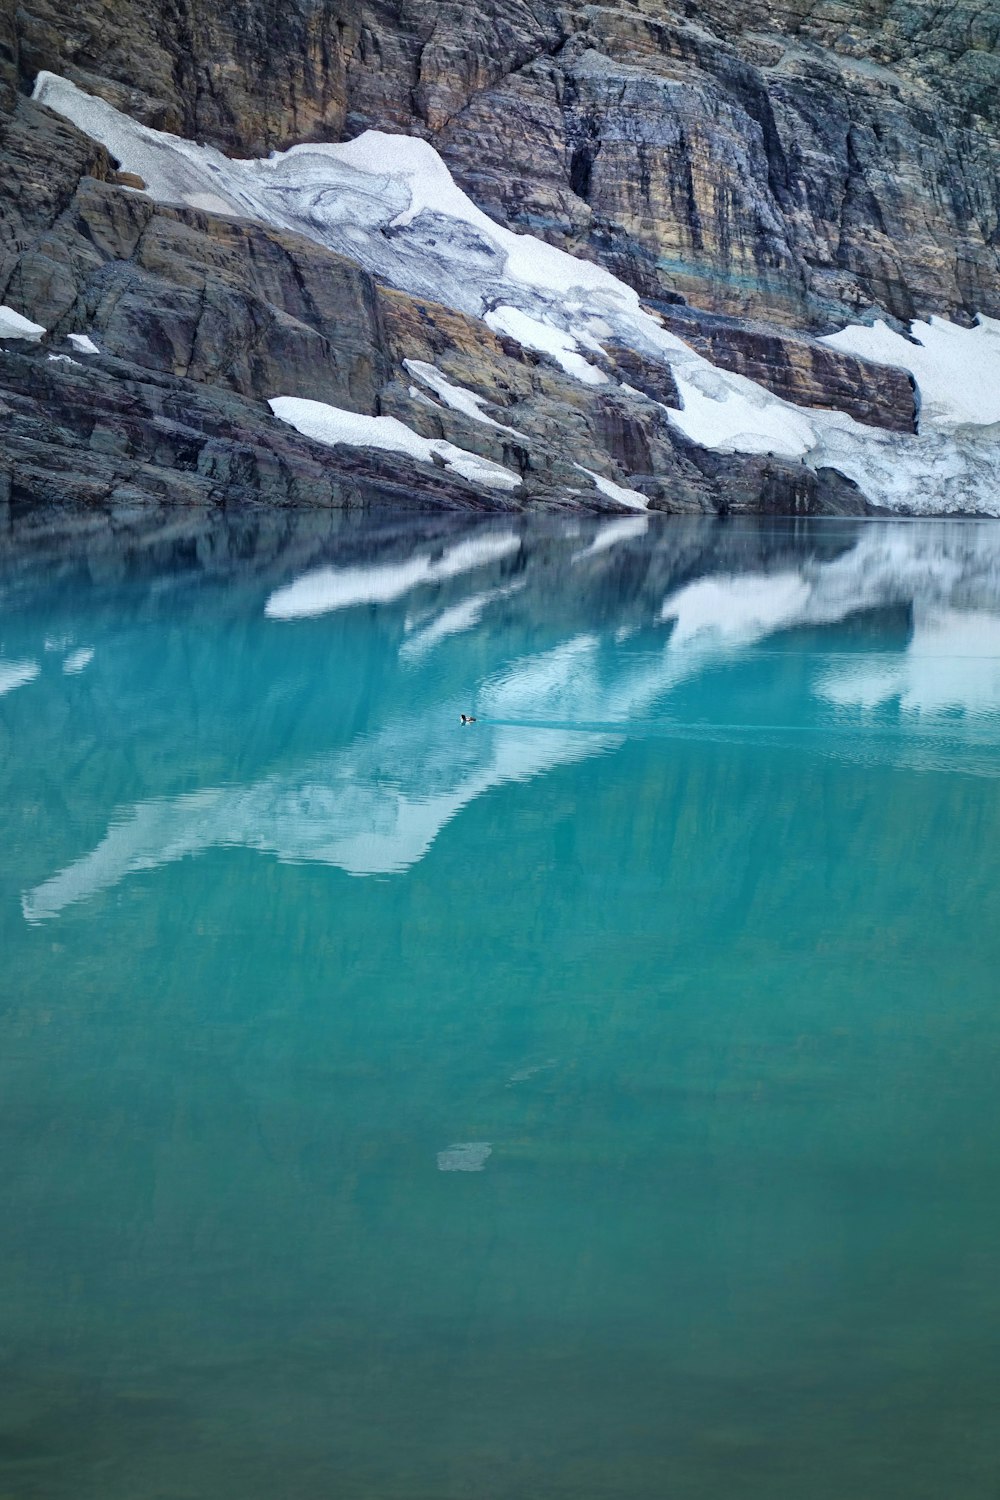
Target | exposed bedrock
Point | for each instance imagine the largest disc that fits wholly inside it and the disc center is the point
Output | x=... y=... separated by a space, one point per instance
x=201 y=319
x=759 y=173
x=803 y=161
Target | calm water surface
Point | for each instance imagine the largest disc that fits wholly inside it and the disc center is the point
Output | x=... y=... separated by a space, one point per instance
x=598 y=1103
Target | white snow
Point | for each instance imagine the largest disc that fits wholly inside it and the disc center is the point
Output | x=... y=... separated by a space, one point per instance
x=631 y=499
x=326 y=589
x=14 y=674
x=83 y=343
x=455 y=396
x=739 y=420
x=957 y=369
x=390 y=204
x=14 y=325
x=63 y=359
x=534 y=333
x=332 y=424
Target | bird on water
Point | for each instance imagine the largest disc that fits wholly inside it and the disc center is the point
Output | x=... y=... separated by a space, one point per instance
x=467 y=719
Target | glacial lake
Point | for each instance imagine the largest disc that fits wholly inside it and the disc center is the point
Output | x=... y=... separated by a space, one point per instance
x=596 y=1102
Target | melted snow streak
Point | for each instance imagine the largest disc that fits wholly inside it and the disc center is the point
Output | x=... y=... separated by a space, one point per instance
x=389 y=203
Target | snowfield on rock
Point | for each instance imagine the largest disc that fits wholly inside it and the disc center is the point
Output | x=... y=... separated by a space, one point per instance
x=957 y=370
x=390 y=204
x=13 y=325
x=331 y=424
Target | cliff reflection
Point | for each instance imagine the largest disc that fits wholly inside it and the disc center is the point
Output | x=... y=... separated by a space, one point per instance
x=348 y=647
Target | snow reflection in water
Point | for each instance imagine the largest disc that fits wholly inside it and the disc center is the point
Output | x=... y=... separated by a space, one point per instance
x=376 y=804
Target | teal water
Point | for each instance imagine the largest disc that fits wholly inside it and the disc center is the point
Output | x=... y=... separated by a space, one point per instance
x=599 y=1101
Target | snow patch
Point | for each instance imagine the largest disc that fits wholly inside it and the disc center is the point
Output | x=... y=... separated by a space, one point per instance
x=533 y=333
x=741 y=421
x=455 y=396
x=957 y=370
x=13 y=325
x=631 y=499
x=332 y=424
x=63 y=359
x=82 y=343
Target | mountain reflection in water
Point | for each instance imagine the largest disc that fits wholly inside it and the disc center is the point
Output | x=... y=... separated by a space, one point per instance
x=597 y=1102
x=465 y=616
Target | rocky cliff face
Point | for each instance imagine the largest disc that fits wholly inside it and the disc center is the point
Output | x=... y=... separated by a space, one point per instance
x=758 y=174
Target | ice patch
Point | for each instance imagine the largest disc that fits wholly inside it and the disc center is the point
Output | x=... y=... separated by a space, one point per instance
x=957 y=369
x=14 y=674
x=63 y=359
x=331 y=424
x=465 y=1156
x=13 y=325
x=82 y=343
x=327 y=589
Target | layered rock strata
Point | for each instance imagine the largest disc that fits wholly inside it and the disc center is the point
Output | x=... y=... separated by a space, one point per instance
x=758 y=174
x=807 y=161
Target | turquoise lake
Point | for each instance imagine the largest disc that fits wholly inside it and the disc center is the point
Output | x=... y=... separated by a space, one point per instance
x=598 y=1102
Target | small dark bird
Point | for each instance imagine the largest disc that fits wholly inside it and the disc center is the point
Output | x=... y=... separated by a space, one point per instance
x=467 y=719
